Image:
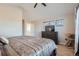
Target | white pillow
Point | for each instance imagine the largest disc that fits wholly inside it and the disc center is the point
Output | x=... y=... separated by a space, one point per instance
x=4 y=40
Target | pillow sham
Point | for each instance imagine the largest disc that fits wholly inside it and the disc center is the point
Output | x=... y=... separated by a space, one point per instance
x=4 y=40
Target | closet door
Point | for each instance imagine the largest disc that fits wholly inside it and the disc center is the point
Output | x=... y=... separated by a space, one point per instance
x=77 y=32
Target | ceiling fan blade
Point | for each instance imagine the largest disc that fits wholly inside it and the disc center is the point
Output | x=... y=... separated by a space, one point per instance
x=43 y=4
x=35 y=5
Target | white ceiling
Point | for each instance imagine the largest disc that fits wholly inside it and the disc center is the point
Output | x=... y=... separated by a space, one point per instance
x=51 y=10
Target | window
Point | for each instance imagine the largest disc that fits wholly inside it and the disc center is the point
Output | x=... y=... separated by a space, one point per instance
x=28 y=27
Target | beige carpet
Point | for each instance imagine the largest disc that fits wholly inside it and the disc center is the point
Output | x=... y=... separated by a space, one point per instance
x=64 y=51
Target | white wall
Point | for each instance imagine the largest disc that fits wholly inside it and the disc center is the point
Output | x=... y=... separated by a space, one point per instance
x=10 y=21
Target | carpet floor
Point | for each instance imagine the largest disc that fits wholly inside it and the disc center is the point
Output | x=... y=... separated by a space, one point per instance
x=64 y=51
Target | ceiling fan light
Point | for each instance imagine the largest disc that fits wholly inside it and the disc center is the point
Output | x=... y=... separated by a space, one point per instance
x=44 y=4
x=35 y=5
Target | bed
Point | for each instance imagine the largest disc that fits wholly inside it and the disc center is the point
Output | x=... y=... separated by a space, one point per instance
x=29 y=46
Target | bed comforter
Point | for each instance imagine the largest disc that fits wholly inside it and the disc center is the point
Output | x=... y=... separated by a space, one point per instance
x=29 y=46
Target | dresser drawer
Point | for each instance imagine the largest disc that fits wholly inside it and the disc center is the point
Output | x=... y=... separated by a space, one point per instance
x=50 y=35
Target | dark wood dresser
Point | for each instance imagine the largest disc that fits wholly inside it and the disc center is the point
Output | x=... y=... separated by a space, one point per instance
x=50 y=35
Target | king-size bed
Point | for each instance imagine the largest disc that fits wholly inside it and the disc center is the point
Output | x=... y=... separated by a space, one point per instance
x=29 y=46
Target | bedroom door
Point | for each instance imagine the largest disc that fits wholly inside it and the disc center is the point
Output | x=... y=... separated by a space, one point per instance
x=29 y=29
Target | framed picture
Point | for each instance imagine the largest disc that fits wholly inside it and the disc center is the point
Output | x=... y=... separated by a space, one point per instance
x=60 y=22
x=52 y=22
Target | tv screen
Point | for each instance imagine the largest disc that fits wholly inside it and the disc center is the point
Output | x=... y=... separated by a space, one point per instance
x=50 y=28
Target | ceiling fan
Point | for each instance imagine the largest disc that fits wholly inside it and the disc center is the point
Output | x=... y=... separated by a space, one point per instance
x=41 y=3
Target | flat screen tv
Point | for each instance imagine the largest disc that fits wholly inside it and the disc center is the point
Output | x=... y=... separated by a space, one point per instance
x=50 y=28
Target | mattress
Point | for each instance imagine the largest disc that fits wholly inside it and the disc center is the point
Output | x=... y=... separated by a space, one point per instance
x=29 y=46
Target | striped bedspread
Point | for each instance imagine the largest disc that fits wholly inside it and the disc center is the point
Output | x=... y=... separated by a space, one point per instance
x=29 y=46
